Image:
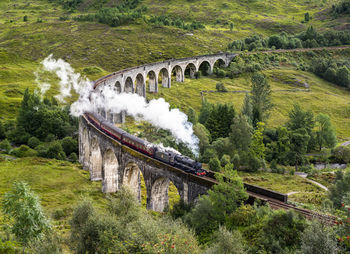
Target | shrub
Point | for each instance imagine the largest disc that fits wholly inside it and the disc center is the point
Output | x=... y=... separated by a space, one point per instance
x=318 y=238
x=55 y=151
x=225 y=159
x=226 y=242
x=207 y=155
x=69 y=145
x=42 y=150
x=5 y=146
x=2 y=131
x=220 y=87
x=214 y=164
x=236 y=160
x=73 y=157
x=33 y=142
x=342 y=154
x=197 y=74
x=24 y=151
x=25 y=18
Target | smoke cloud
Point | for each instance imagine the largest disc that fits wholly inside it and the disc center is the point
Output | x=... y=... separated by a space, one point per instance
x=157 y=111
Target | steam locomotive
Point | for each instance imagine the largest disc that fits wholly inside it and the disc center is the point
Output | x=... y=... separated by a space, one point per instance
x=167 y=156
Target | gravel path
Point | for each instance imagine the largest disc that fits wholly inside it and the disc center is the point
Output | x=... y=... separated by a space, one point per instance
x=346 y=143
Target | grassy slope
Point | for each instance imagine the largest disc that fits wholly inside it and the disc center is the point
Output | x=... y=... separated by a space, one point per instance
x=323 y=97
x=24 y=44
x=59 y=184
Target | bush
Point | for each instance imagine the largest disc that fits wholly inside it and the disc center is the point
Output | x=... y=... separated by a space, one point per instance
x=55 y=151
x=214 y=164
x=2 y=131
x=5 y=146
x=220 y=87
x=208 y=154
x=33 y=142
x=226 y=242
x=342 y=154
x=197 y=74
x=69 y=145
x=73 y=157
x=25 y=18
x=225 y=159
x=42 y=150
x=318 y=238
x=24 y=151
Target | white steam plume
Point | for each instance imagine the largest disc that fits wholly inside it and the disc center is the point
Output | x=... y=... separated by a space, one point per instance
x=157 y=111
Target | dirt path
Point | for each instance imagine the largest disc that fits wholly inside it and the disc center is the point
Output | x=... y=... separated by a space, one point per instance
x=304 y=175
x=346 y=143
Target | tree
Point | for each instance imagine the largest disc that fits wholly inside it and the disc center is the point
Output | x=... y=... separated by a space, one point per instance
x=282 y=232
x=221 y=146
x=325 y=134
x=247 y=109
x=33 y=142
x=257 y=147
x=226 y=242
x=318 y=238
x=307 y=17
x=298 y=118
x=340 y=188
x=192 y=115
x=220 y=120
x=55 y=151
x=203 y=135
x=69 y=145
x=22 y=207
x=299 y=140
x=2 y=131
x=205 y=111
x=241 y=133
x=260 y=98
x=214 y=164
x=5 y=146
x=224 y=198
x=343 y=77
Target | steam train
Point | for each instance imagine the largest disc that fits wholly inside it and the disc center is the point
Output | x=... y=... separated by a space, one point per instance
x=167 y=156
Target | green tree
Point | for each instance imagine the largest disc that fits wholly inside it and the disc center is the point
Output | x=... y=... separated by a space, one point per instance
x=247 y=109
x=55 y=151
x=214 y=164
x=282 y=232
x=5 y=146
x=325 y=133
x=224 y=198
x=241 y=133
x=33 y=142
x=298 y=118
x=307 y=17
x=220 y=120
x=69 y=145
x=205 y=111
x=260 y=98
x=192 y=115
x=299 y=140
x=22 y=208
x=278 y=150
x=226 y=242
x=2 y=131
x=221 y=146
x=320 y=239
x=343 y=77
x=257 y=147
x=203 y=135
x=340 y=188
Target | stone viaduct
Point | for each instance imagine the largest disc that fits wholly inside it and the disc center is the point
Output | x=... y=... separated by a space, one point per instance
x=116 y=165
x=146 y=78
